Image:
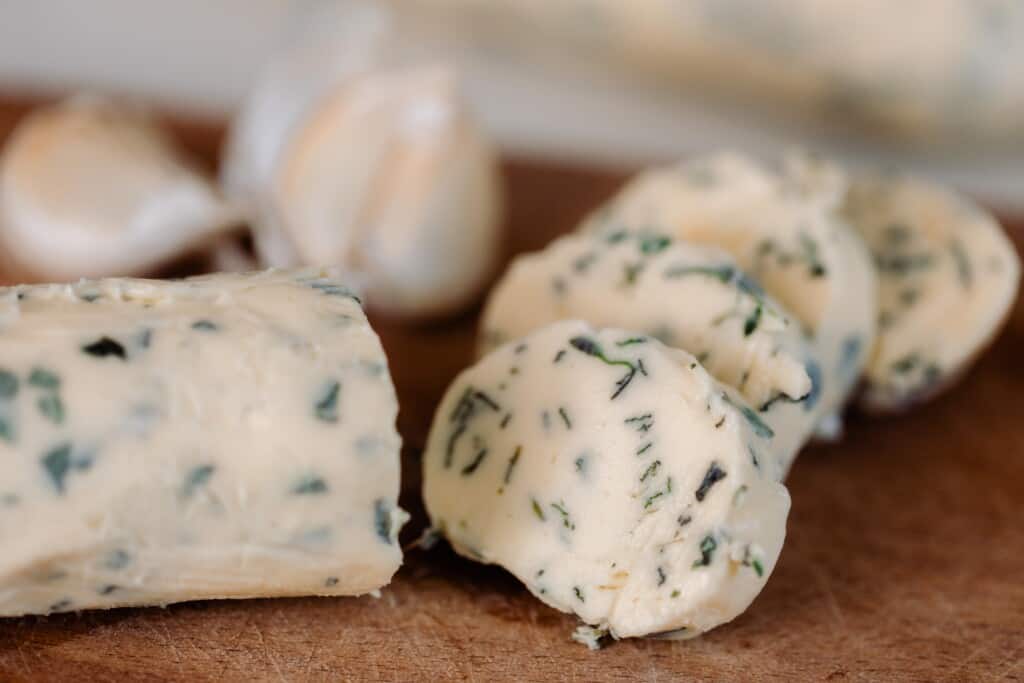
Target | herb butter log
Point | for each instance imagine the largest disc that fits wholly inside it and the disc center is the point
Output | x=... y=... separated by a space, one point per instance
x=613 y=476
x=783 y=227
x=688 y=296
x=948 y=277
x=227 y=436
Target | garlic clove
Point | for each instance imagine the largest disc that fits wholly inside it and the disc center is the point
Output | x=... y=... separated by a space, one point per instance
x=91 y=188
x=391 y=176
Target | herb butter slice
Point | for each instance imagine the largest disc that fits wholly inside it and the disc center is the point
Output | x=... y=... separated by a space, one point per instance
x=947 y=275
x=782 y=225
x=687 y=296
x=613 y=476
x=227 y=436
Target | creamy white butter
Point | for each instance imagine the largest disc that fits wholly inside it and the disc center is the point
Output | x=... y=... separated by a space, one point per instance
x=227 y=436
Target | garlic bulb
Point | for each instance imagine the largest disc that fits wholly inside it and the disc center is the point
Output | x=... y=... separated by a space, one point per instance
x=381 y=169
x=90 y=188
x=391 y=177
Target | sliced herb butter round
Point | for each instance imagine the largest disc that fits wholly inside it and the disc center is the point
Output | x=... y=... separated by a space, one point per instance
x=782 y=226
x=613 y=476
x=948 y=277
x=90 y=188
x=219 y=437
x=687 y=296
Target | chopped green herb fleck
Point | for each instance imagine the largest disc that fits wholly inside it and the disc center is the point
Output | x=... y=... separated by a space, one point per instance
x=481 y=396
x=566 y=520
x=642 y=423
x=737 y=497
x=813 y=370
x=8 y=384
x=662 y=577
x=587 y=346
x=326 y=408
x=592 y=348
x=559 y=356
x=108 y=589
x=57 y=464
x=474 y=463
x=309 y=485
x=537 y=509
x=205 y=326
x=105 y=346
x=720 y=273
x=714 y=475
x=908 y=297
x=906 y=364
x=810 y=254
x=897 y=234
x=581 y=464
x=631 y=271
x=752 y=321
x=653 y=244
x=754 y=563
x=650 y=499
x=505 y=420
x=755 y=422
x=963 y=264
x=646 y=447
x=331 y=582
x=383 y=521
x=651 y=470
x=675 y=593
x=631 y=341
x=708 y=544
x=850 y=354
x=333 y=289
x=902 y=264
x=117 y=559
x=683 y=520
x=579 y=593
x=512 y=464
x=43 y=378
x=52 y=408
x=581 y=264
x=565 y=417
x=195 y=479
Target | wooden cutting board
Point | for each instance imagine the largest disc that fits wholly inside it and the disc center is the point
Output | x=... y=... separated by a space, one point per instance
x=904 y=558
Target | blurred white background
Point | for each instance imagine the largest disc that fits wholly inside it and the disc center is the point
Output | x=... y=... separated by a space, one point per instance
x=540 y=91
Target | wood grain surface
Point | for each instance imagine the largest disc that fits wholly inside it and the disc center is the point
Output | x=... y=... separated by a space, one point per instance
x=904 y=558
